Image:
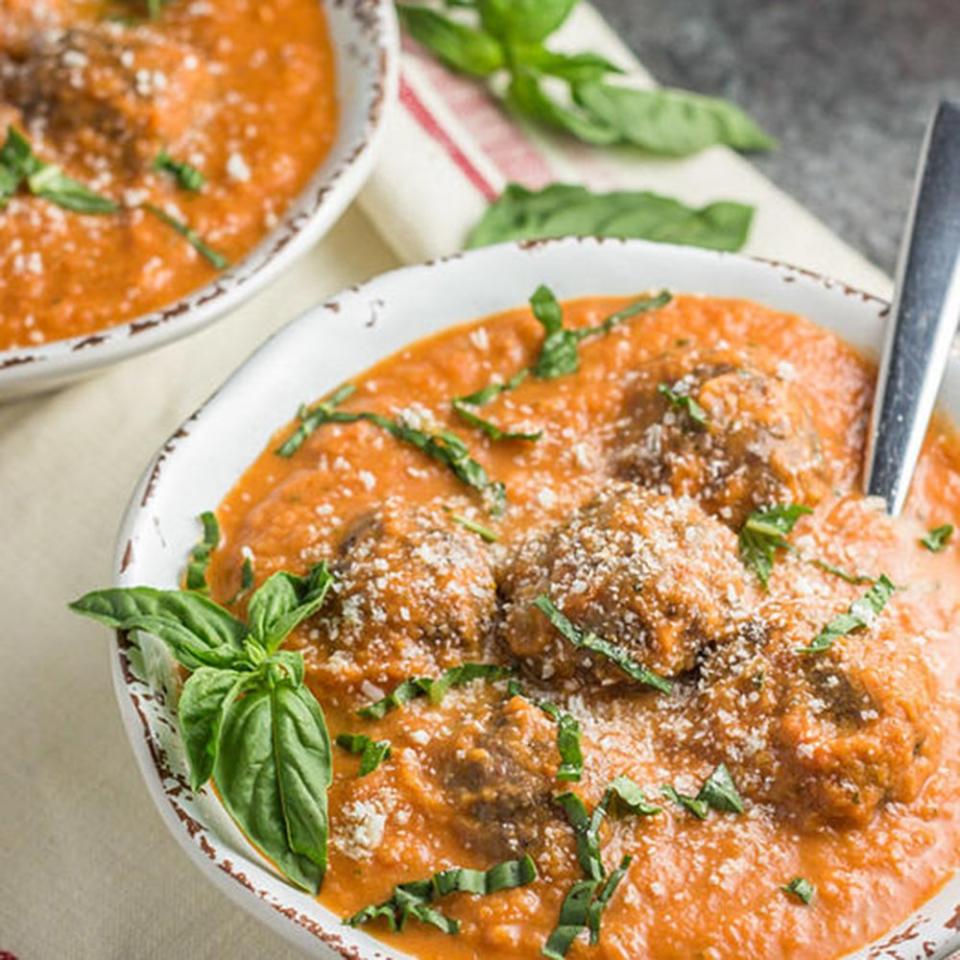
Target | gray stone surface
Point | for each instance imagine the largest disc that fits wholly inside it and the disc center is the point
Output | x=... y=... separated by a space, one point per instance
x=845 y=85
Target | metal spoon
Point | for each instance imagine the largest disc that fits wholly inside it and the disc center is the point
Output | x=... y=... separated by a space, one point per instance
x=926 y=308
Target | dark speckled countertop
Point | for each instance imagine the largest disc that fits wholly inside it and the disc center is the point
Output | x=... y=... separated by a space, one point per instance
x=846 y=86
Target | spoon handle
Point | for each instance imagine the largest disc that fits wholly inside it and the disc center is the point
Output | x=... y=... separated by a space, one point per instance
x=924 y=316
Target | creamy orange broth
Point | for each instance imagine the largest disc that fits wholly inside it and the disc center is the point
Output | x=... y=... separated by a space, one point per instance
x=244 y=91
x=695 y=889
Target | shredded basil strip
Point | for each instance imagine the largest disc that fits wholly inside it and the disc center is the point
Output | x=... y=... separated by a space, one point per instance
x=444 y=447
x=371 y=752
x=800 y=888
x=412 y=899
x=605 y=648
x=861 y=614
x=484 y=533
x=466 y=413
x=187 y=176
x=493 y=390
x=200 y=555
x=763 y=533
x=857 y=579
x=596 y=908
x=718 y=792
x=586 y=830
x=434 y=689
x=574 y=919
x=246 y=716
x=937 y=539
x=683 y=401
x=216 y=260
x=19 y=165
x=568 y=734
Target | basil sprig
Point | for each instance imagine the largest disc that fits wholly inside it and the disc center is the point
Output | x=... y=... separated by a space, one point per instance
x=217 y=260
x=245 y=714
x=510 y=35
x=586 y=640
x=937 y=539
x=187 y=176
x=371 y=752
x=19 y=165
x=435 y=689
x=564 y=210
x=444 y=447
x=718 y=792
x=200 y=555
x=413 y=899
x=765 y=532
x=861 y=614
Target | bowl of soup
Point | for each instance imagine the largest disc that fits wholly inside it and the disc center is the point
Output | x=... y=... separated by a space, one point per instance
x=610 y=653
x=160 y=162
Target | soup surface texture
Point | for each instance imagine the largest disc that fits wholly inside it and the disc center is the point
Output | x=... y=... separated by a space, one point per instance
x=242 y=93
x=664 y=464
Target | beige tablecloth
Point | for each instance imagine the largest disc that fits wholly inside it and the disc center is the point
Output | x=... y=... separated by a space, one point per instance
x=86 y=867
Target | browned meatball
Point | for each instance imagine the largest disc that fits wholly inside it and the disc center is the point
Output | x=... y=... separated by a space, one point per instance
x=827 y=737
x=654 y=575
x=750 y=443
x=412 y=593
x=499 y=777
x=109 y=92
x=21 y=19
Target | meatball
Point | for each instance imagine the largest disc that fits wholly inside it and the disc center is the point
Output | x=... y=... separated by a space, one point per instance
x=500 y=779
x=21 y=19
x=654 y=575
x=109 y=92
x=412 y=593
x=827 y=737
x=742 y=440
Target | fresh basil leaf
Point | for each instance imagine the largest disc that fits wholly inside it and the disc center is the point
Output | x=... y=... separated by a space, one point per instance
x=484 y=533
x=284 y=601
x=693 y=805
x=764 y=532
x=411 y=899
x=861 y=614
x=802 y=889
x=435 y=689
x=596 y=908
x=527 y=96
x=624 y=792
x=686 y=403
x=202 y=552
x=670 y=122
x=568 y=734
x=610 y=651
x=572 y=67
x=558 y=353
x=456 y=44
x=371 y=752
x=467 y=414
x=574 y=919
x=273 y=771
x=310 y=420
x=216 y=260
x=197 y=631
x=188 y=177
x=720 y=792
x=586 y=830
x=562 y=210
x=204 y=699
x=937 y=539
x=524 y=21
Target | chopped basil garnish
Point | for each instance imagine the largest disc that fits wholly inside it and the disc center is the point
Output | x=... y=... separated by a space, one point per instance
x=434 y=689
x=568 y=734
x=444 y=447
x=624 y=793
x=861 y=614
x=686 y=403
x=467 y=414
x=764 y=533
x=802 y=889
x=484 y=533
x=605 y=648
x=718 y=792
x=412 y=899
x=19 y=165
x=563 y=210
x=857 y=579
x=371 y=752
x=574 y=919
x=201 y=553
x=216 y=260
x=245 y=714
x=938 y=538
x=586 y=830
x=187 y=176
x=493 y=390
x=596 y=908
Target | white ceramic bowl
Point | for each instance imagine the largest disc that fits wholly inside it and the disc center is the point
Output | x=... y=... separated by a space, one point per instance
x=340 y=338
x=366 y=46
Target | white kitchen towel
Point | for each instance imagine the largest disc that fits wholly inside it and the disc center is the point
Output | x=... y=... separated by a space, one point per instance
x=451 y=148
